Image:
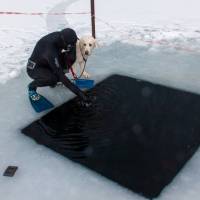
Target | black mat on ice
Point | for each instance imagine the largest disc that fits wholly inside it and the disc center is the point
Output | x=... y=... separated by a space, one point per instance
x=137 y=134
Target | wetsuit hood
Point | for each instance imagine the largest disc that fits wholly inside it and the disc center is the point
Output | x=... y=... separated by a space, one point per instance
x=69 y=37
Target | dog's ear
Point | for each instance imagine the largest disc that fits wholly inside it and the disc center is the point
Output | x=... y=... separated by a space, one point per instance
x=81 y=42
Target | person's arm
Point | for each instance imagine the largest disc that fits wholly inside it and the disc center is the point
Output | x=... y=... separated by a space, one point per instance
x=55 y=66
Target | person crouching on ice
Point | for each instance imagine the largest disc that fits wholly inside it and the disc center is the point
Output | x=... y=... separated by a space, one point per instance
x=52 y=55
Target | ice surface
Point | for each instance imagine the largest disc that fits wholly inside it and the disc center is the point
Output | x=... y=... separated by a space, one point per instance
x=55 y=177
x=44 y=174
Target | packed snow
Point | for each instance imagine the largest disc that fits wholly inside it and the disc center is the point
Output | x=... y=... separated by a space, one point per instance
x=153 y=40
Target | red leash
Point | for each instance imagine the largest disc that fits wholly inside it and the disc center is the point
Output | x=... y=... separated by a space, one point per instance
x=69 y=64
x=72 y=71
x=73 y=74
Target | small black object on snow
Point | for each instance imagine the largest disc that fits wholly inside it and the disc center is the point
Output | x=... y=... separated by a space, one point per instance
x=10 y=171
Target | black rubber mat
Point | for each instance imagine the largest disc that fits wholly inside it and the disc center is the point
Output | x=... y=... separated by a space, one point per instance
x=137 y=134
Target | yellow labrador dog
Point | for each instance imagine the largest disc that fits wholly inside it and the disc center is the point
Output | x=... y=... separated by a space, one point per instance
x=84 y=47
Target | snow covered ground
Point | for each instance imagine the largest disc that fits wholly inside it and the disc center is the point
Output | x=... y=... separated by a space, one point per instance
x=154 y=40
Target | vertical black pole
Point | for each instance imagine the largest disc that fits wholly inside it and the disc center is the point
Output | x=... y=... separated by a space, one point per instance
x=93 y=18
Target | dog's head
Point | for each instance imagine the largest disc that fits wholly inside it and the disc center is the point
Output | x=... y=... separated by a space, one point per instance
x=87 y=44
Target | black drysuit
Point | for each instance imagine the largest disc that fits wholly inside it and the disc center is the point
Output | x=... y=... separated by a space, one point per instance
x=48 y=61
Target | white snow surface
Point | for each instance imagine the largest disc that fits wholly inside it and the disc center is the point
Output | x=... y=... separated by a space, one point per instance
x=155 y=40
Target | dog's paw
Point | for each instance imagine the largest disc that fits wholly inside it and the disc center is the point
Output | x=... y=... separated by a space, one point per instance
x=86 y=75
